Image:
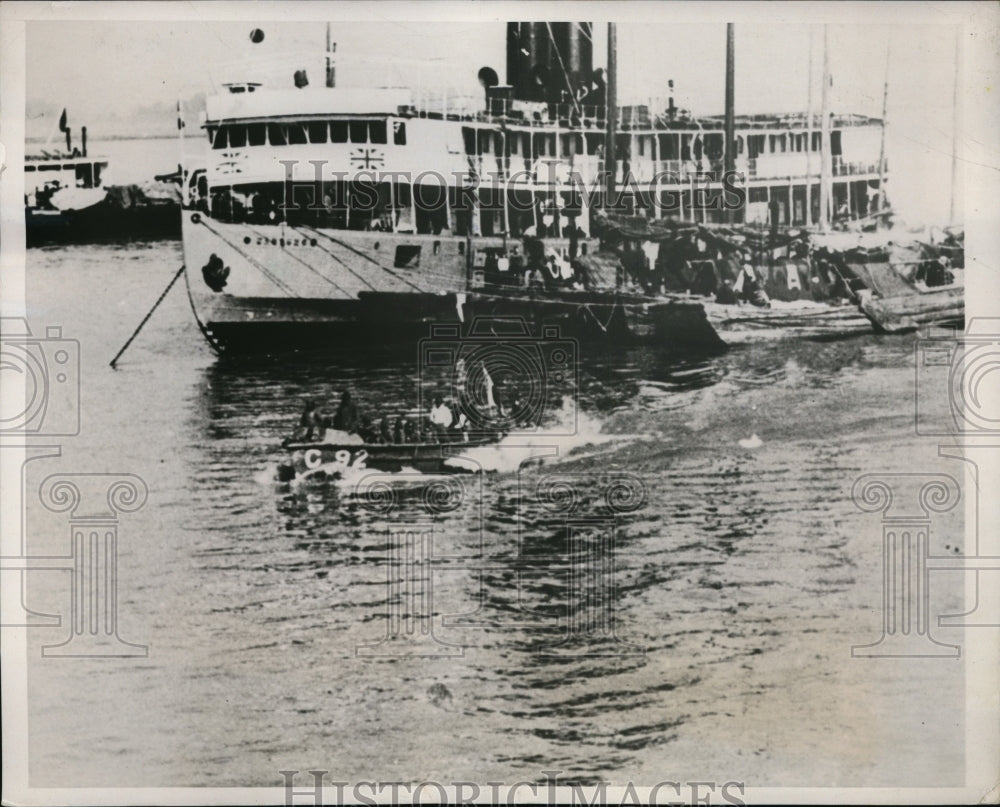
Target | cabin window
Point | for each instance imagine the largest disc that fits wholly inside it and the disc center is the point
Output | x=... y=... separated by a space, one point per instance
x=469 y=136
x=399 y=133
x=359 y=131
x=685 y=147
x=338 y=131
x=29 y=169
x=220 y=137
x=276 y=134
x=297 y=134
x=594 y=142
x=572 y=144
x=668 y=147
x=376 y=131
x=318 y=131
x=484 y=137
x=237 y=137
x=835 y=149
x=407 y=256
x=817 y=139
x=755 y=145
x=740 y=145
x=256 y=134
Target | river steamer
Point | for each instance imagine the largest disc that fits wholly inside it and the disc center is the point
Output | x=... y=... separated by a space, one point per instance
x=330 y=209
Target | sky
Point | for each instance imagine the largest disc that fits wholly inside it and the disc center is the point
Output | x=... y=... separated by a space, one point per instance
x=124 y=77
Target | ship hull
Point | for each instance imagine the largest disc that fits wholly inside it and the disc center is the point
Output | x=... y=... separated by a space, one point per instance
x=272 y=288
x=102 y=223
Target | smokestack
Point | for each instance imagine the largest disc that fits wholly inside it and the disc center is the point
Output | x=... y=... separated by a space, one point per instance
x=541 y=52
x=69 y=139
x=83 y=140
x=330 y=69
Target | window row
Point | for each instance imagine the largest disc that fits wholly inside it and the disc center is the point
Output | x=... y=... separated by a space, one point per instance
x=235 y=135
x=666 y=146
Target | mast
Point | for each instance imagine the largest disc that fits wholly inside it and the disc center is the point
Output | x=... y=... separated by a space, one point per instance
x=880 y=199
x=825 y=161
x=809 y=132
x=730 y=134
x=610 y=152
x=954 y=122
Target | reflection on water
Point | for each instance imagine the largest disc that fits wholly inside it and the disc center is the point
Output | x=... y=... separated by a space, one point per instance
x=691 y=570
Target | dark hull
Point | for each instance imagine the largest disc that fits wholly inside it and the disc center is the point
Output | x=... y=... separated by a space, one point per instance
x=283 y=324
x=102 y=223
x=273 y=288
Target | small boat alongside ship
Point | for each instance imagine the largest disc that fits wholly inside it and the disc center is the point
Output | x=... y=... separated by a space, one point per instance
x=926 y=289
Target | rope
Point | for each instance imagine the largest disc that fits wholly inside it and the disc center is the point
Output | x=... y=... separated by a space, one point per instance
x=255 y=263
x=145 y=319
x=308 y=266
x=334 y=256
x=358 y=252
x=605 y=326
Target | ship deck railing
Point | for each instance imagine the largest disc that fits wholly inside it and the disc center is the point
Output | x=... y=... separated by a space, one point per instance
x=590 y=168
x=652 y=114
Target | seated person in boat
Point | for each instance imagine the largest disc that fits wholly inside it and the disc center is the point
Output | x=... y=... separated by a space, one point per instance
x=307 y=422
x=410 y=431
x=367 y=430
x=441 y=419
x=346 y=419
x=385 y=430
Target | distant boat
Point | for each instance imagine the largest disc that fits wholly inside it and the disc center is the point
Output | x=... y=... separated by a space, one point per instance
x=66 y=200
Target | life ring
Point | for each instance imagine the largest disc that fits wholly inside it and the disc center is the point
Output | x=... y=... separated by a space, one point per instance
x=196 y=218
x=313 y=458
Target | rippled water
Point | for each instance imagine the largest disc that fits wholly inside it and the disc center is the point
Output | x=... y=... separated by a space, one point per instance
x=743 y=574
